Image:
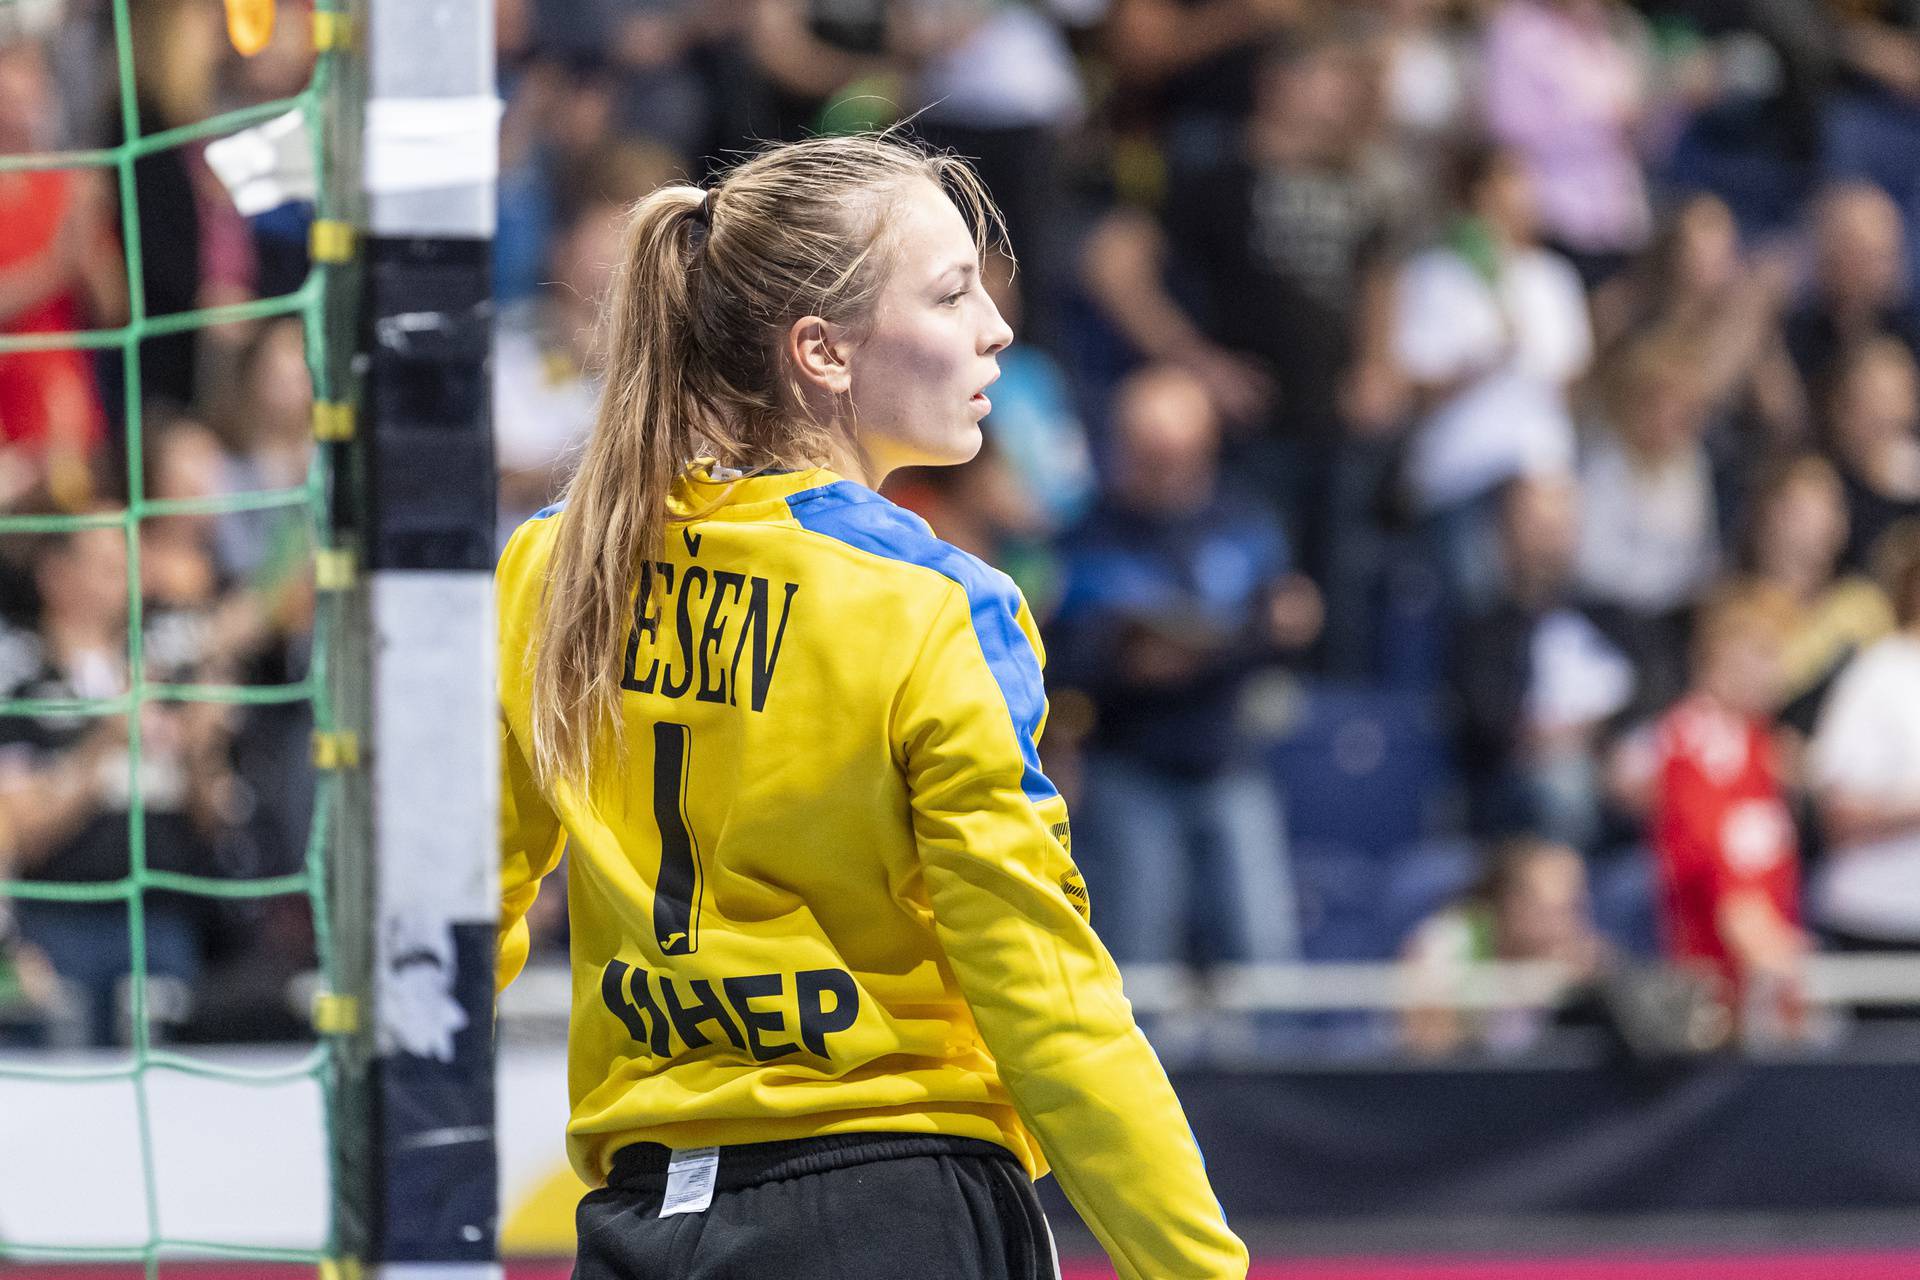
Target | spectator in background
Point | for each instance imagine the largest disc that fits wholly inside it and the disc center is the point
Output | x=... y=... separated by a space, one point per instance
x=1188 y=67
x=1649 y=536
x=278 y=72
x=546 y=383
x=75 y=32
x=592 y=86
x=65 y=787
x=1864 y=769
x=1531 y=905
x=1536 y=684
x=1491 y=329
x=558 y=113
x=248 y=624
x=1796 y=532
x=648 y=47
x=1280 y=247
x=1650 y=527
x=808 y=55
x=1860 y=286
x=203 y=626
x=1566 y=90
x=1874 y=412
x=265 y=426
x=1747 y=91
x=1878 y=41
x=29 y=988
x=1695 y=289
x=199 y=249
x=1283 y=253
x=1871 y=125
x=1722 y=833
x=264 y=418
x=198 y=624
x=532 y=85
x=1275 y=248
x=1178 y=592
x=1430 y=90
x=59 y=273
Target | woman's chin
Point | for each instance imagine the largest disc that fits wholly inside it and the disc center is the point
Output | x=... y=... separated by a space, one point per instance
x=949 y=448
x=967 y=446
x=957 y=446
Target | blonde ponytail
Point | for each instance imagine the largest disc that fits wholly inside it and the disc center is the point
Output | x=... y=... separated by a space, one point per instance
x=616 y=505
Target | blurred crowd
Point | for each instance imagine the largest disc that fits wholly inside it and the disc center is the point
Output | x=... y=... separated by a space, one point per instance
x=221 y=599
x=1509 y=401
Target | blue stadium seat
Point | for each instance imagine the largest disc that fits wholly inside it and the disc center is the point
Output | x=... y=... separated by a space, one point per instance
x=1411 y=630
x=1354 y=906
x=1625 y=900
x=1423 y=879
x=1732 y=151
x=1340 y=890
x=1364 y=768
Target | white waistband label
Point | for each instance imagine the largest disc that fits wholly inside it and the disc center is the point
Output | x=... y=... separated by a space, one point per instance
x=690 y=1176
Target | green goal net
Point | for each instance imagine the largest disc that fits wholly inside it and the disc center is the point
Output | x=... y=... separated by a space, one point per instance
x=318 y=303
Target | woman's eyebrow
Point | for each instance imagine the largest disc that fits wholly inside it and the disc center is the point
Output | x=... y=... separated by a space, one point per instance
x=965 y=270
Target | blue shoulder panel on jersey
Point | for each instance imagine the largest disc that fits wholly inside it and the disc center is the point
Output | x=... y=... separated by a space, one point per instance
x=553 y=510
x=861 y=518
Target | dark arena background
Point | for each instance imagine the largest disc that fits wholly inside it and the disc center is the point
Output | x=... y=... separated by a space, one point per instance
x=1463 y=455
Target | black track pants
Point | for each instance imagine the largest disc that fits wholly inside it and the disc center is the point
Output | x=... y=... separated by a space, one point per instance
x=850 y=1207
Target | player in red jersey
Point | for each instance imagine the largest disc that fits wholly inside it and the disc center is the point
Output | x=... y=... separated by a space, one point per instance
x=1729 y=858
x=59 y=269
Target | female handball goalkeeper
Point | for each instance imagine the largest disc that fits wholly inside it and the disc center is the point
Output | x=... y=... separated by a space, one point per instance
x=836 y=997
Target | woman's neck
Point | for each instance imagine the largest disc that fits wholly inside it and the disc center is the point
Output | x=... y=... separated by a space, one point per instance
x=846 y=457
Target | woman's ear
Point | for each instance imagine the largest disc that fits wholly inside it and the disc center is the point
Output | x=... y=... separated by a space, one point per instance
x=818 y=350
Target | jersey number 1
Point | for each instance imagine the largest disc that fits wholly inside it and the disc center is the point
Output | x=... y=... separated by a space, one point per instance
x=676 y=893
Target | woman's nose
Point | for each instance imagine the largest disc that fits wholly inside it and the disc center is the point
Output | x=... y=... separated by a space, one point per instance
x=998 y=335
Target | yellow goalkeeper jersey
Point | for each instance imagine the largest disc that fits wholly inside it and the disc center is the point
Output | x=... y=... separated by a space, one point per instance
x=831 y=890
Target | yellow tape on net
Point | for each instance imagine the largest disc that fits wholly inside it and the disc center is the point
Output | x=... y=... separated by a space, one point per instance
x=332 y=421
x=335 y=1014
x=330 y=240
x=337 y=750
x=331 y=30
